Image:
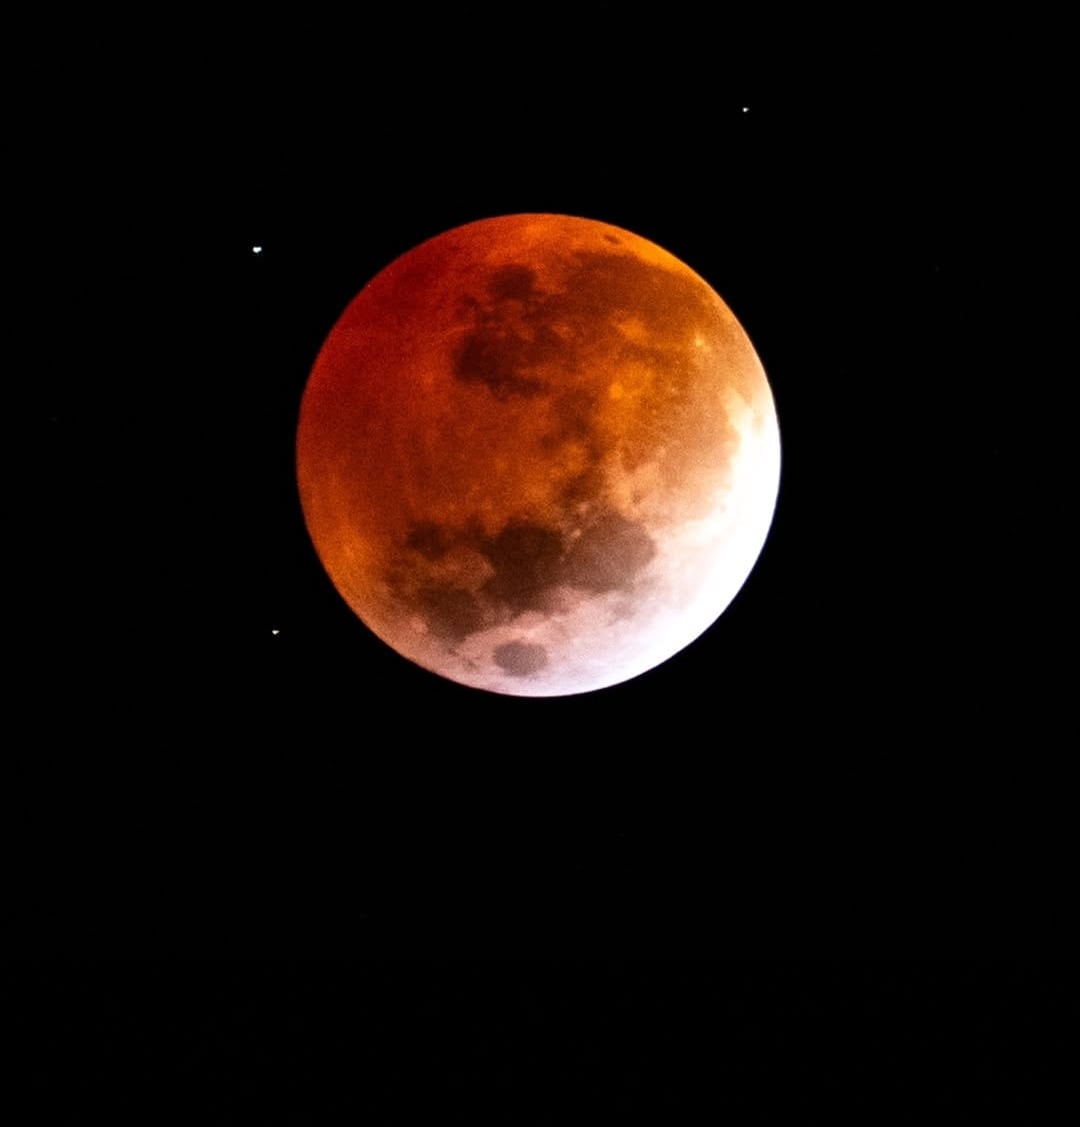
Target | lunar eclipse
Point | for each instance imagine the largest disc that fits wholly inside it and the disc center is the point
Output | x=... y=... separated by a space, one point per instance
x=538 y=455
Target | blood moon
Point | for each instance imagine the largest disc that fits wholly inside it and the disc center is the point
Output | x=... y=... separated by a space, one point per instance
x=537 y=455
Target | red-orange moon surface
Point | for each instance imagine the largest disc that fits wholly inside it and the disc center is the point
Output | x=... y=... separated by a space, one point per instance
x=538 y=455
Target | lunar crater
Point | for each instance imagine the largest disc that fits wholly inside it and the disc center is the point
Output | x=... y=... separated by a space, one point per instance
x=520 y=659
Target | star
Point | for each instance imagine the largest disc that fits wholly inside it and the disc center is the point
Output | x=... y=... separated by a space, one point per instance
x=256 y=250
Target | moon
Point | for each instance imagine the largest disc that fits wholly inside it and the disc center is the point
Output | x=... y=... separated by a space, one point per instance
x=538 y=455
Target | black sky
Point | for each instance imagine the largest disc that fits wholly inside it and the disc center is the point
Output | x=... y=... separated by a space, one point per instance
x=816 y=770
x=867 y=755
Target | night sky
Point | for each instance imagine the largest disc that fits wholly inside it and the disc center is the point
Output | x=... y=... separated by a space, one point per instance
x=229 y=760
x=210 y=758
